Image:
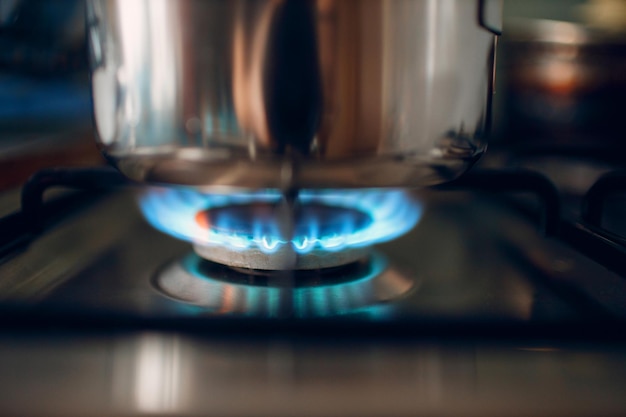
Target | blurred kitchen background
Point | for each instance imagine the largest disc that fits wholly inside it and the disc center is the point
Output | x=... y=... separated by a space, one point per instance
x=45 y=104
x=560 y=84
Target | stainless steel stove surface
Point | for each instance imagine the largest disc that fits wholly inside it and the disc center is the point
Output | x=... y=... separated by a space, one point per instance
x=473 y=311
x=467 y=259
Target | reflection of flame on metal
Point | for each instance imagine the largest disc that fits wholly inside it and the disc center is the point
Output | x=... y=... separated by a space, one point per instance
x=351 y=219
x=222 y=290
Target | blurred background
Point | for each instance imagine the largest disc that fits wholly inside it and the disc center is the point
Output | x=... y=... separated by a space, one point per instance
x=561 y=81
x=562 y=74
x=45 y=104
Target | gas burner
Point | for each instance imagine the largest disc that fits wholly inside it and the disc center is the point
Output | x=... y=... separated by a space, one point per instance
x=334 y=291
x=265 y=219
x=258 y=231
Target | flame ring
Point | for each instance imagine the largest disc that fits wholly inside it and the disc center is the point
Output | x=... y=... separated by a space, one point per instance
x=174 y=210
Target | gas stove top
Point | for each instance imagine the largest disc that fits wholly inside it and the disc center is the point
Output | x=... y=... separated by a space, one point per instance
x=476 y=296
x=468 y=259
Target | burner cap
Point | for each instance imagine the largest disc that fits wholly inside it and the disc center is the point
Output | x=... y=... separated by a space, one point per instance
x=302 y=239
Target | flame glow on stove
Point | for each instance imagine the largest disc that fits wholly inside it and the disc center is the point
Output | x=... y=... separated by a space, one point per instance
x=391 y=212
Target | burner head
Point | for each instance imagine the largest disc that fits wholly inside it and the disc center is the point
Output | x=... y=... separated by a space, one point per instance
x=312 y=229
x=258 y=230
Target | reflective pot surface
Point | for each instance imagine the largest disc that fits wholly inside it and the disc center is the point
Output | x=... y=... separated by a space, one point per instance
x=292 y=93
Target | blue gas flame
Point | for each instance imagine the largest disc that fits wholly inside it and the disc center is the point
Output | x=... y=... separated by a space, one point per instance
x=360 y=295
x=392 y=213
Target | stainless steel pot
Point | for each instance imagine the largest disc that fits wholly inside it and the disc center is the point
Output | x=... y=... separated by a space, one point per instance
x=284 y=93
